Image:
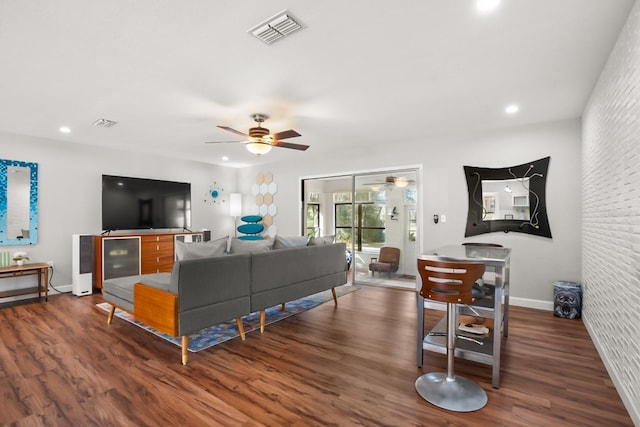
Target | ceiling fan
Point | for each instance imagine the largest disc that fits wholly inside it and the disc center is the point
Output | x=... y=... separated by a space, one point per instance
x=392 y=181
x=259 y=141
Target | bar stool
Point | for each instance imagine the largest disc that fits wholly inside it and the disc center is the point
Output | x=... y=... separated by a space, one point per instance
x=450 y=282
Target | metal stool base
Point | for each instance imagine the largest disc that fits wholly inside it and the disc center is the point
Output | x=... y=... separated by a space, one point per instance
x=459 y=394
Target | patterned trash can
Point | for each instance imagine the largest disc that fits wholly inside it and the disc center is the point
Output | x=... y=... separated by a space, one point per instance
x=567 y=300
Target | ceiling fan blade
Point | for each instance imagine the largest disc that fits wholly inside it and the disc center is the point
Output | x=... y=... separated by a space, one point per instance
x=289 y=145
x=285 y=134
x=221 y=142
x=237 y=132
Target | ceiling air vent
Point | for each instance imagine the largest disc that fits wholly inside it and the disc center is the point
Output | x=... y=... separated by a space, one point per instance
x=276 y=27
x=104 y=123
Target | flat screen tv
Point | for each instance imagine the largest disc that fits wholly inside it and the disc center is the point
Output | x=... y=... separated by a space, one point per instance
x=138 y=203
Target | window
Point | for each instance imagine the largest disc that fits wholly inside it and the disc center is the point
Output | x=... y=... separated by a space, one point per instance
x=313 y=214
x=313 y=219
x=412 y=225
x=369 y=224
x=410 y=196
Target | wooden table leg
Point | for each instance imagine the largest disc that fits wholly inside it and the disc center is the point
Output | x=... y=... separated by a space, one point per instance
x=46 y=284
x=39 y=283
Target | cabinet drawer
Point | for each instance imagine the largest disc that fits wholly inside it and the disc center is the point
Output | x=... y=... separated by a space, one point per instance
x=149 y=257
x=157 y=240
x=165 y=251
x=148 y=268
x=165 y=266
x=157 y=253
x=158 y=268
x=157 y=265
x=157 y=248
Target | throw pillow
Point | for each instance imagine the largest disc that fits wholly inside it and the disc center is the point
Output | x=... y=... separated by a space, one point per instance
x=324 y=240
x=290 y=242
x=239 y=246
x=195 y=250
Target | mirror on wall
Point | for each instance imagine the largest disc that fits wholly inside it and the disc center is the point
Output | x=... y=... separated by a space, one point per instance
x=18 y=202
x=505 y=199
x=508 y=199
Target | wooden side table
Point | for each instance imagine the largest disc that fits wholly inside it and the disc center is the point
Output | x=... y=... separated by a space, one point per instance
x=35 y=269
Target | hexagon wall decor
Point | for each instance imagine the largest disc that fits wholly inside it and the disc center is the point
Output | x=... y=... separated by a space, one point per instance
x=264 y=190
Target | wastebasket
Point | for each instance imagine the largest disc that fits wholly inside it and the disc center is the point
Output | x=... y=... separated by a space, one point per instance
x=567 y=299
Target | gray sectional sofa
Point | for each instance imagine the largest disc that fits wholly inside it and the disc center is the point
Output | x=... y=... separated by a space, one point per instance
x=203 y=292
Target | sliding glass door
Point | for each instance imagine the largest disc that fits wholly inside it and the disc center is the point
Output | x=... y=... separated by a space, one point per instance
x=370 y=212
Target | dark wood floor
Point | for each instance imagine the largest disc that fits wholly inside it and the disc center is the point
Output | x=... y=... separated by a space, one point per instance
x=61 y=364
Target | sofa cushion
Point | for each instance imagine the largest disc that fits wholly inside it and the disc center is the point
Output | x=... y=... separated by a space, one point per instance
x=325 y=240
x=290 y=242
x=120 y=290
x=196 y=250
x=291 y=273
x=239 y=246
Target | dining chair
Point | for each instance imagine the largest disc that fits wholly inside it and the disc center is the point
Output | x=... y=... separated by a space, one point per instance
x=450 y=282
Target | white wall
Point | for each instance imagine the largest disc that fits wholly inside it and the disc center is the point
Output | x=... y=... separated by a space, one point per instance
x=69 y=196
x=537 y=262
x=611 y=199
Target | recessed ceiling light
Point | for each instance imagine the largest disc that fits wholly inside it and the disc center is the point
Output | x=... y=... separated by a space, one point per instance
x=511 y=109
x=486 y=6
x=225 y=158
x=65 y=129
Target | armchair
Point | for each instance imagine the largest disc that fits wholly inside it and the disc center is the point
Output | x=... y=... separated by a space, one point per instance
x=388 y=261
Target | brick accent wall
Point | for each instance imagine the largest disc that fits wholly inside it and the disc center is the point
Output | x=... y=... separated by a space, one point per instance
x=611 y=214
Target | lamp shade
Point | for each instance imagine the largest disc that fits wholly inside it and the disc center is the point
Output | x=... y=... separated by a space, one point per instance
x=235 y=204
x=258 y=148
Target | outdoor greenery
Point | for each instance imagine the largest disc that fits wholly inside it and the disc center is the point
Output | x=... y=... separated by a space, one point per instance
x=369 y=219
x=313 y=219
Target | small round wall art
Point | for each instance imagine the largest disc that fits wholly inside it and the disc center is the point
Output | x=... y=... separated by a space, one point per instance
x=215 y=194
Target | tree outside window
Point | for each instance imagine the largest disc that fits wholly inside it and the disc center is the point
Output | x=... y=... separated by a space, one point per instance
x=313 y=219
x=369 y=221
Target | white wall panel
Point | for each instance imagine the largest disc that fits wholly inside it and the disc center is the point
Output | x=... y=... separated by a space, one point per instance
x=70 y=198
x=537 y=262
x=611 y=214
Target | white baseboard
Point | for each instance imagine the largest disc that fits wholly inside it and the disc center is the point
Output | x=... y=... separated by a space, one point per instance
x=531 y=303
x=630 y=404
x=63 y=289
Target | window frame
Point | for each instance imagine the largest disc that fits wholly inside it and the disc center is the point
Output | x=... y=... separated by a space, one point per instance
x=316 y=219
x=357 y=227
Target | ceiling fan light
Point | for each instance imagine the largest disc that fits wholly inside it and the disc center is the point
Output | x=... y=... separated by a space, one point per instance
x=401 y=182
x=258 y=148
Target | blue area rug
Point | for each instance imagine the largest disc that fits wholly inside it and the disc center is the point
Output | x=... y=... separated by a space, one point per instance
x=225 y=331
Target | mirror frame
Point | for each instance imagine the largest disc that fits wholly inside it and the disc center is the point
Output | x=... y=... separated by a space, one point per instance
x=33 y=203
x=538 y=223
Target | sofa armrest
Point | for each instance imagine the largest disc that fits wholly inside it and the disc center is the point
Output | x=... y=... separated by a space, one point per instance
x=156 y=308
